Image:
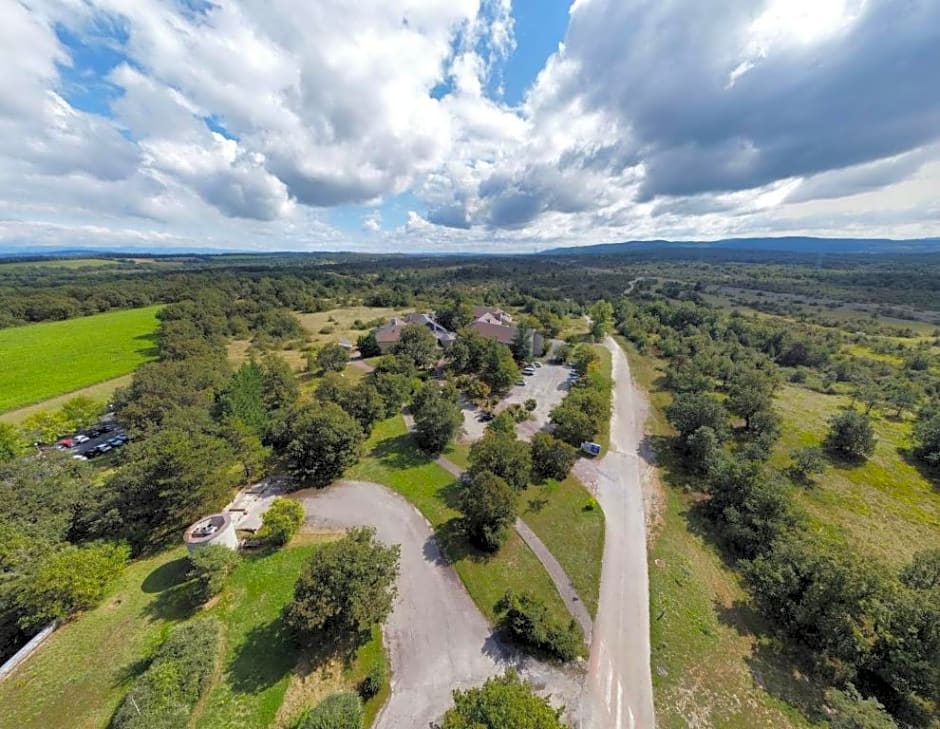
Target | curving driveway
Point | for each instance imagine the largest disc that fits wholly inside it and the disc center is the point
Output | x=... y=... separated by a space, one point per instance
x=437 y=638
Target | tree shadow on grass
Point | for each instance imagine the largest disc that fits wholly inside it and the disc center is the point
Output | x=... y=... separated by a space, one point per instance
x=450 y=495
x=399 y=452
x=928 y=473
x=784 y=670
x=454 y=546
x=267 y=654
x=151 y=349
x=166 y=576
x=178 y=602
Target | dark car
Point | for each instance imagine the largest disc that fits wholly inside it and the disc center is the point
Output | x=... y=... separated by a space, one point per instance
x=117 y=441
x=486 y=417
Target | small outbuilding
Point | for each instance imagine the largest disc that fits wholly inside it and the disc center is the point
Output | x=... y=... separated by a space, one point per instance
x=213 y=529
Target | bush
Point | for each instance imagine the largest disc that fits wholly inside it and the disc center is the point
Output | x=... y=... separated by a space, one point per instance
x=164 y=696
x=332 y=358
x=851 y=435
x=851 y=711
x=527 y=622
x=209 y=568
x=503 y=702
x=339 y=711
x=373 y=682
x=806 y=462
x=281 y=521
x=551 y=457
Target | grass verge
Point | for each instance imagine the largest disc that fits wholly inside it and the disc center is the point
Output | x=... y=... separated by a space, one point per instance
x=391 y=458
x=41 y=361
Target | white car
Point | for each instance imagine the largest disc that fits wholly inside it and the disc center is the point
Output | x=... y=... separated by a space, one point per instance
x=81 y=439
x=78 y=457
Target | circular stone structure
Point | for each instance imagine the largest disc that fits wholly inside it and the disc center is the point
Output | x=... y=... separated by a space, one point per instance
x=213 y=529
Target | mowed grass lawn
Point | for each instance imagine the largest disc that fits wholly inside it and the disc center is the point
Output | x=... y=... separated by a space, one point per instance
x=390 y=457
x=79 y=677
x=41 y=361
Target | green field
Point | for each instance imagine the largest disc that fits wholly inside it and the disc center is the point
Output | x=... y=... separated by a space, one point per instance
x=41 y=361
x=391 y=458
x=78 y=678
x=68 y=263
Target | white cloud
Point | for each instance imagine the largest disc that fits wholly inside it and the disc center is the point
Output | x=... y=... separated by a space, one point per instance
x=238 y=122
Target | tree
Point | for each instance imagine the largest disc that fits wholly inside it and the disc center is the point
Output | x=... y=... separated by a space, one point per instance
x=750 y=392
x=324 y=442
x=498 y=368
x=394 y=388
x=45 y=427
x=692 y=410
x=418 y=345
x=81 y=412
x=279 y=384
x=503 y=423
x=703 y=450
x=602 y=314
x=527 y=621
x=68 y=580
x=503 y=702
x=243 y=398
x=573 y=425
x=178 y=478
x=250 y=452
x=209 y=568
x=851 y=435
x=347 y=587
x=338 y=711
x=11 y=444
x=364 y=402
x=503 y=455
x=923 y=571
x=902 y=396
x=805 y=462
x=851 y=711
x=281 y=521
x=454 y=314
x=869 y=393
x=582 y=358
x=332 y=358
x=521 y=346
x=927 y=438
x=551 y=457
x=437 y=418
x=489 y=508
x=368 y=345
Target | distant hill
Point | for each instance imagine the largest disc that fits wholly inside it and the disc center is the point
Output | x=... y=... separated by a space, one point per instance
x=859 y=246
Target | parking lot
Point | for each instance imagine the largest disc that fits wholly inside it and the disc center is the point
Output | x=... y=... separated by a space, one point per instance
x=101 y=439
x=548 y=386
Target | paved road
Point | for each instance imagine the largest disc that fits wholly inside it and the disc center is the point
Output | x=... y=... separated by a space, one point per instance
x=618 y=690
x=437 y=638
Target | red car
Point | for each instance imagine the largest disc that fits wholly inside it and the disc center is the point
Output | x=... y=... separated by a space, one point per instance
x=66 y=443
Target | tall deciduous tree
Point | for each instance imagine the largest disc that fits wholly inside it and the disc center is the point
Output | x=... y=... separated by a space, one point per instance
x=489 y=507
x=504 y=702
x=324 y=442
x=504 y=455
x=437 y=418
x=851 y=435
x=347 y=587
x=418 y=345
x=551 y=457
x=332 y=358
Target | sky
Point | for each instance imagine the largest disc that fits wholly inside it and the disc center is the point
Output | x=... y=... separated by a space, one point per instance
x=465 y=125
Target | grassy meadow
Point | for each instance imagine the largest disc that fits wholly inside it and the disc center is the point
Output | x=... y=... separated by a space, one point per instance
x=42 y=361
x=79 y=677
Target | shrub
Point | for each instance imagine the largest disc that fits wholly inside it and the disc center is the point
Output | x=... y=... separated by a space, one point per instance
x=530 y=405
x=281 y=521
x=339 y=711
x=164 y=696
x=551 y=457
x=503 y=702
x=527 y=622
x=805 y=462
x=209 y=568
x=373 y=682
x=332 y=358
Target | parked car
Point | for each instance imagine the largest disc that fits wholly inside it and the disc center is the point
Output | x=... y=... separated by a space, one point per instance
x=591 y=448
x=81 y=438
x=485 y=417
x=528 y=371
x=537 y=364
x=520 y=382
x=103 y=448
x=80 y=457
x=64 y=443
